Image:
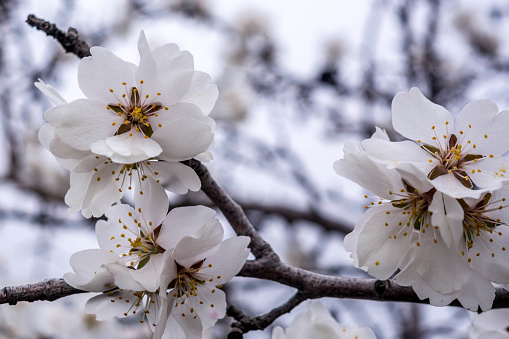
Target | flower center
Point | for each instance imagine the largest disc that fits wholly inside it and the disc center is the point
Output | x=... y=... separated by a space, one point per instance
x=451 y=155
x=136 y=110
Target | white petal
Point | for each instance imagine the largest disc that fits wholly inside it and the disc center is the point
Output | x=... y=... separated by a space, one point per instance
x=475 y=120
x=208 y=314
x=183 y=221
x=478 y=292
x=178 y=326
x=378 y=250
x=180 y=111
x=394 y=153
x=123 y=277
x=489 y=173
x=148 y=276
x=143 y=47
x=82 y=122
x=176 y=177
x=497 y=141
x=109 y=234
x=448 y=216
x=278 y=333
x=153 y=202
x=413 y=116
x=51 y=93
x=448 y=184
x=103 y=307
x=88 y=274
x=202 y=92
x=228 y=260
x=372 y=176
x=168 y=273
x=126 y=148
x=104 y=71
x=200 y=245
x=489 y=258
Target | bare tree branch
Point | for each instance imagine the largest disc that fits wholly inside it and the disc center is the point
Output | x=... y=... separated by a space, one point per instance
x=49 y=289
x=71 y=41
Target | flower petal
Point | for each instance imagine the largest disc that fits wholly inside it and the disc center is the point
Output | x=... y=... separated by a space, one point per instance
x=104 y=308
x=88 y=274
x=183 y=139
x=448 y=217
x=50 y=93
x=202 y=92
x=127 y=148
x=123 y=277
x=82 y=122
x=413 y=116
x=176 y=177
x=475 y=120
x=104 y=71
x=448 y=184
x=213 y=308
x=489 y=173
x=153 y=202
x=228 y=260
x=200 y=245
x=183 y=221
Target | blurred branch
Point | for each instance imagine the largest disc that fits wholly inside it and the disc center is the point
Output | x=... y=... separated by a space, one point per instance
x=71 y=41
x=49 y=289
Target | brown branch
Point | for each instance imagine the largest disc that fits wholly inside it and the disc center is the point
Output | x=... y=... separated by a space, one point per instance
x=49 y=289
x=71 y=41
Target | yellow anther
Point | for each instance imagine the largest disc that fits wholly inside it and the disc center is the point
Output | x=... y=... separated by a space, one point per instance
x=486 y=136
x=113 y=123
x=141 y=82
x=111 y=90
x=433 y=127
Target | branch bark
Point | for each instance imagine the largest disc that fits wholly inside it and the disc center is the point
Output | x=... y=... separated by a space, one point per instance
x=70 y=41
x=49 y=289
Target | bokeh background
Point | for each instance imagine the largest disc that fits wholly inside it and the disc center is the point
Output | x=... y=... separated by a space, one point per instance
x=297 y=80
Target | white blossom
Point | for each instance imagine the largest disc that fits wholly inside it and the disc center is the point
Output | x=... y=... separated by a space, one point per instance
x=490 y=325
x=462 y=158
x=157 y=129
x=445 y=248
x=316 y=322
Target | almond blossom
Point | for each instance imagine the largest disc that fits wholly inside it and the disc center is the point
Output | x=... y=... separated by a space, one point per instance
x=444 y=248
x=168 y=267
x=134 y=139
x=316 y=322
x=493 y=324
x=463 y=158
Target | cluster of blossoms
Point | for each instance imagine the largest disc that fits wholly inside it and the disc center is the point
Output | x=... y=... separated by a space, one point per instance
x=439 y=221
x=318 y=323
x=130 y=134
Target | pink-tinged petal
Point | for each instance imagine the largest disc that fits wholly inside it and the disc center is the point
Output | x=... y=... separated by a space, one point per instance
x=148 y=276
x=127 y=148
x=214 y=305
x=88 y=274
x=227 y=261
x=104 y=308
x=123 y=277
x=50 y=93
x=202 y=92
x=153 y=203
x=440 y=266
x=372 y=176
x=489 y=173
x=474 y=121
x=104 y=71
x=448 y=217
x=183 y=139
x=394 y=153
x=413 y=116
x=204 y=242
x=448 y=184
x=478 y=292
x=408 y=277
x=82 y=122
x=183 y=221
x=488 y=254
x=176 y=177
x=383 y=242
x=186 y=327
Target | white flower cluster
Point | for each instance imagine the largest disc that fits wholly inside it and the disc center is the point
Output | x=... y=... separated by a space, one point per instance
x=318 y=323
x=439 y=222
x=132 y=131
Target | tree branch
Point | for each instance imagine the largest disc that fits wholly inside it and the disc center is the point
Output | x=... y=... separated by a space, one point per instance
x=71 y=41
x=49 y=289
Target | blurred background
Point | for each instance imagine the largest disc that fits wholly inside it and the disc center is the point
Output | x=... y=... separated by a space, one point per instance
x=297 y=80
